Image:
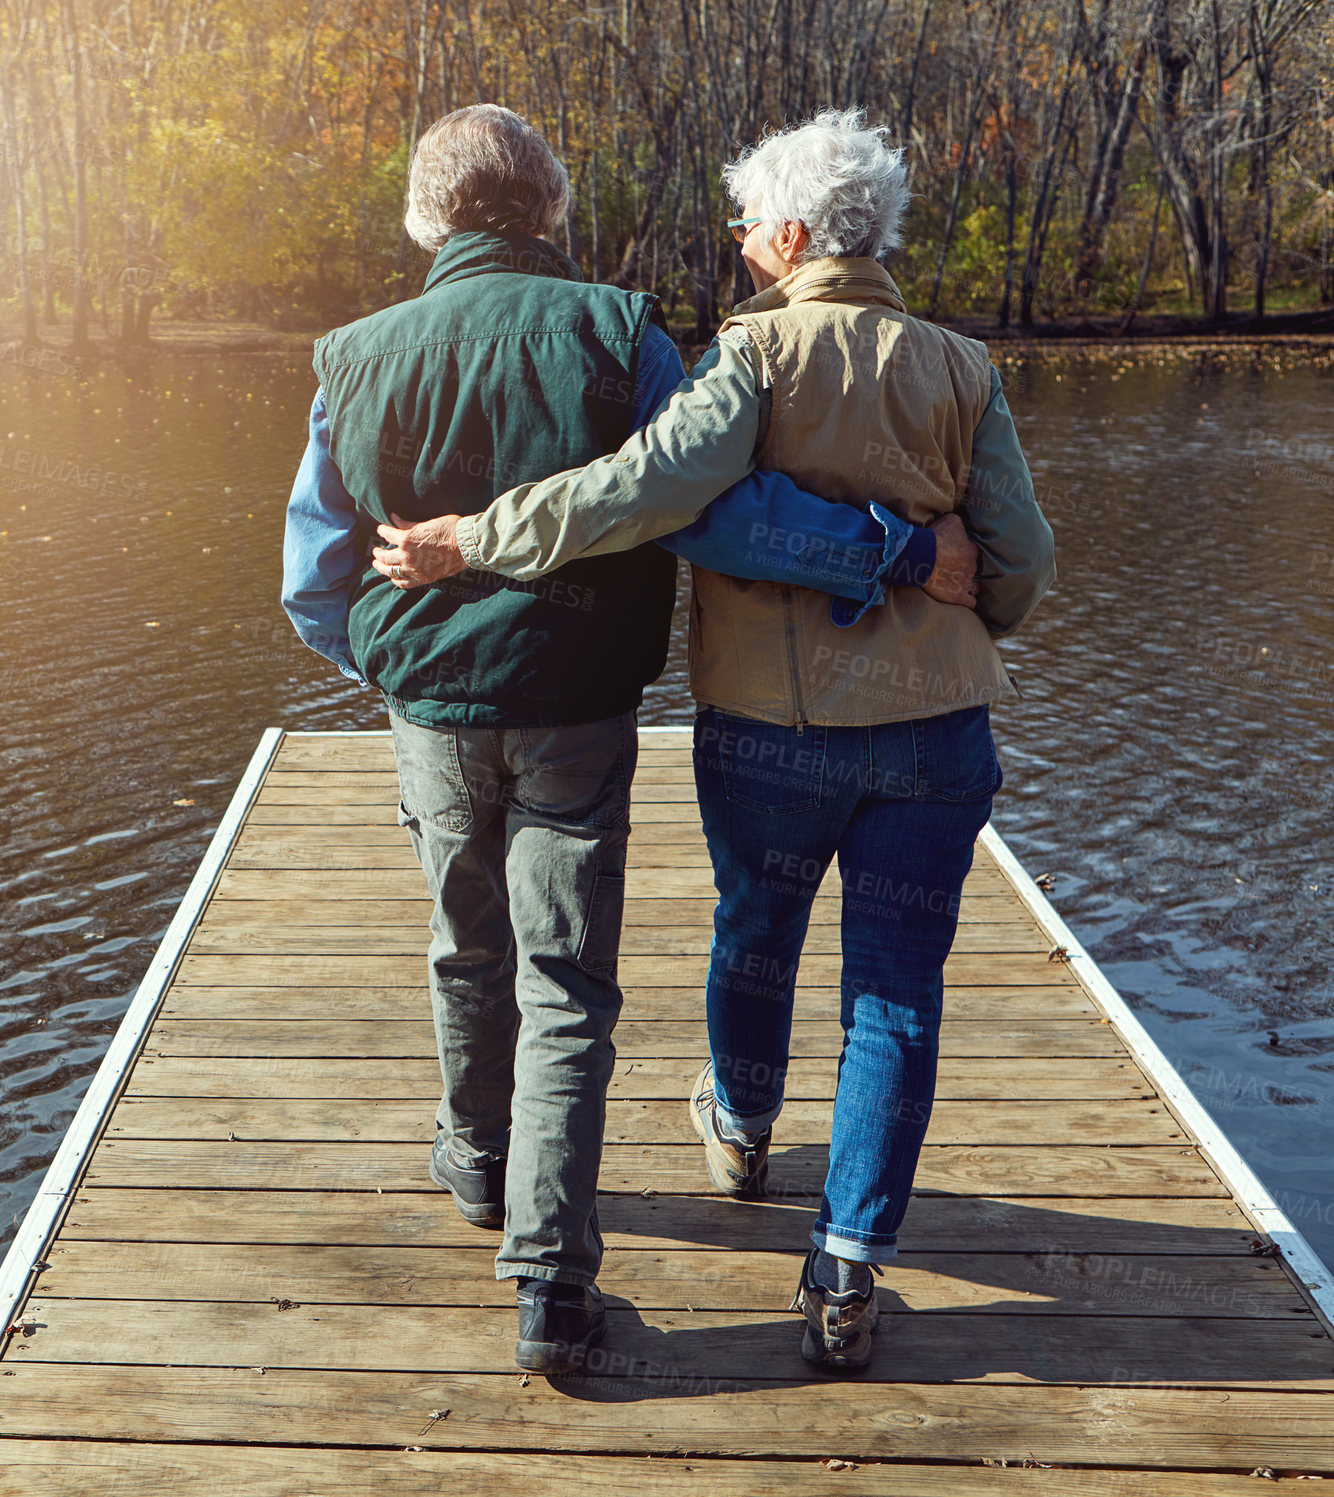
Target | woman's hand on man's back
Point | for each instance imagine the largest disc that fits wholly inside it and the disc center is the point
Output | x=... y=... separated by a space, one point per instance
x=954 y=578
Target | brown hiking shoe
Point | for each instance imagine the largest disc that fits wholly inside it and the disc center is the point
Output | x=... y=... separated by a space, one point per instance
x=838 y=1326
x=737 y=1166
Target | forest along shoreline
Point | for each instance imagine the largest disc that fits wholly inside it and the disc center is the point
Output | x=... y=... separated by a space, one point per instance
x=247 y=339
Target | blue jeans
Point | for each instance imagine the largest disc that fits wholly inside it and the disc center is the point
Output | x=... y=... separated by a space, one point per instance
x=901 y=805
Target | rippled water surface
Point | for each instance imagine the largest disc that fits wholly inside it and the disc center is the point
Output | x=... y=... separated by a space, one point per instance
x=1170 y=761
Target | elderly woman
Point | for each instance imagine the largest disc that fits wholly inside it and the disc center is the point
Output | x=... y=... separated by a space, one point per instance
x=868 y=743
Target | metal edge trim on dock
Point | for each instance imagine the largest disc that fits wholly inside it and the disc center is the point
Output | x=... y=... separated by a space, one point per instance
x=1305 y=1265
x=57 y=1189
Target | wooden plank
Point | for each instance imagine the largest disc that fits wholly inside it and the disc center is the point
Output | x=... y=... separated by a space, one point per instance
x=946 y=1346
x=705 y=1279
x=348 y=939
x=329 y=1120
x=376 y=788
x=898 y=1423
x=389 y=847
x=239 y=914
x=635 y=1038
x=676 y=834
x=1032 y=1224
x=406 y=882
x=344 y=750
x=1003 y=970
x=351 y=857
x=807 y=1081
x=413 y=1472
x=656 y=797
x=382 y=780
x=285 y=851
x=669 y=1169
x=644 y=812
x=980 y=1003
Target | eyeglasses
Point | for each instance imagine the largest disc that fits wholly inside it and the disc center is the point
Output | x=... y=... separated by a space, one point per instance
x=739 y=229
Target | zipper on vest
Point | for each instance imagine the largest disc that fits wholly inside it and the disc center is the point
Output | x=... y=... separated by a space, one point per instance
x=790 y=625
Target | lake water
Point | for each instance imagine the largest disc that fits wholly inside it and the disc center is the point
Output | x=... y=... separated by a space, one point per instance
x=1171 y=761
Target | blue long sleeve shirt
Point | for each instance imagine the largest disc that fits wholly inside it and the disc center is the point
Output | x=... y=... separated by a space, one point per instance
x=764 y=528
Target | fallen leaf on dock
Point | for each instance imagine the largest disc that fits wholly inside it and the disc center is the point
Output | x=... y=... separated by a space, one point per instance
x=284 y=1304
x=1058 y=954
x=836 y=1465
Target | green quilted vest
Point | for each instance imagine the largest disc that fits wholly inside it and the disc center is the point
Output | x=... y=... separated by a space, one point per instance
x=506 y=369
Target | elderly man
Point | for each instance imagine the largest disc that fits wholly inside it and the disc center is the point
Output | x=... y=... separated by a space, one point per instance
x=872 y=745
x=513 y=704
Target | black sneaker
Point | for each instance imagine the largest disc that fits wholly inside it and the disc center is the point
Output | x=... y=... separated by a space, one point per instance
x=478 y=1190
x=558 y=1323
x=738 y=1167
x=838 y=1326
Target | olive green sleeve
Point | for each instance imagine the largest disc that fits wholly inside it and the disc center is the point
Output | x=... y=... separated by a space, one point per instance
x=1005 y=522
x=662 y=478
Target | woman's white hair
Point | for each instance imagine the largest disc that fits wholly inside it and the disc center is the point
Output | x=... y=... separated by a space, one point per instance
x=832 y=174
x=484 y=167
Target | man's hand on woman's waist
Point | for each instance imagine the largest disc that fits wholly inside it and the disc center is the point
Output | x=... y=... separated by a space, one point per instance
x=415 y=555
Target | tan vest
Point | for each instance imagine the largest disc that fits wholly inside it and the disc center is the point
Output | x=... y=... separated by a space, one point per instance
x=868 y=404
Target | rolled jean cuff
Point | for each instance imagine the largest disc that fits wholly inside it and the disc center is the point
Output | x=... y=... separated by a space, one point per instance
x=734 y=1122
x=884 y=1250
x=540 y=1271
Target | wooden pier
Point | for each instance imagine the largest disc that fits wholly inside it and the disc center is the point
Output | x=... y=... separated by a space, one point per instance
x=250 y=1285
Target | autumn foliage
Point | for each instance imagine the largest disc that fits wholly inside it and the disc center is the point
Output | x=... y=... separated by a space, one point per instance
x=245 y=160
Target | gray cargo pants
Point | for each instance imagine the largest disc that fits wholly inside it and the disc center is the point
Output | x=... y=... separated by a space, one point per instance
x=522 y=833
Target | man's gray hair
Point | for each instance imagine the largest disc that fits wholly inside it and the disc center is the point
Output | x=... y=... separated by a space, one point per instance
x=484 y=167
x=832 y=174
